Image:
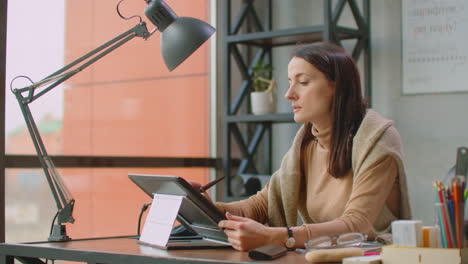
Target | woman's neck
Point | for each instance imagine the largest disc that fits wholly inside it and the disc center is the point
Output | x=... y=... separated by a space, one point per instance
x=322 y=132
x=323 y=124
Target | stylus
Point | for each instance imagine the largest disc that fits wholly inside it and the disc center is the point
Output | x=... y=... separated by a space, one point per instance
x=208 y=185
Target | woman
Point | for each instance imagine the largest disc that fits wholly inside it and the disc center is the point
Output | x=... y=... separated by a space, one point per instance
x=343 y=172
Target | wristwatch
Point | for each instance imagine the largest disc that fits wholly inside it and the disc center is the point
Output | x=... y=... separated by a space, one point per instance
x=290 y=242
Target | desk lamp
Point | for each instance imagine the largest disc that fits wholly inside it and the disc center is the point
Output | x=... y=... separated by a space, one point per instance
x=180 y=37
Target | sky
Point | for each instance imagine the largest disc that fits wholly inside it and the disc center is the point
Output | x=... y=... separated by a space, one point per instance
x=35 y=48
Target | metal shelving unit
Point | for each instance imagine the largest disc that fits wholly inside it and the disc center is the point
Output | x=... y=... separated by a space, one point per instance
x=244 y=133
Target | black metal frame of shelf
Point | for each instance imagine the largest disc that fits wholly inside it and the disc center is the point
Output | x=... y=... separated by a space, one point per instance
x=259 y=127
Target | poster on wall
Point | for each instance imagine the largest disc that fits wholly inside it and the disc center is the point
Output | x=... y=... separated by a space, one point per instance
x=435 y=46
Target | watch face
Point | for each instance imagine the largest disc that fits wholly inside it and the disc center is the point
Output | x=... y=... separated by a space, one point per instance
x=290 y=243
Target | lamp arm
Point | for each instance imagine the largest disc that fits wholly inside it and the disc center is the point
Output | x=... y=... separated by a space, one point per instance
x=61 y=194
x=62 y=75
x=63 y=198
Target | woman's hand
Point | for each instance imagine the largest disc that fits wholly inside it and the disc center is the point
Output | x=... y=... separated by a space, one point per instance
x=197 y=186
x=245 y=233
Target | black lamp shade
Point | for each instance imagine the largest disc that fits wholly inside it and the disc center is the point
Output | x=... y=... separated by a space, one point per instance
x=180 y=36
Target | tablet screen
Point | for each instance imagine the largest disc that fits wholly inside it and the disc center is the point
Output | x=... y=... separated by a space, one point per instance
x=196 y=211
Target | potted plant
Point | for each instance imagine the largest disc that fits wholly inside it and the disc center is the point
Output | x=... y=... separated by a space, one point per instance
x=261 y=97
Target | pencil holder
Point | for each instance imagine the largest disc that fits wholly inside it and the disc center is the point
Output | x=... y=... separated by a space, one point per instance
x=414 y=255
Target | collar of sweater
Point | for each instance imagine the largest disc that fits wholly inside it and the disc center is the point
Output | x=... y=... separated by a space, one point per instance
x=323 y=136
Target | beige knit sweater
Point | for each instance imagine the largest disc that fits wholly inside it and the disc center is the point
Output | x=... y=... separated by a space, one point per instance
x=285 y=197
x=373 y=141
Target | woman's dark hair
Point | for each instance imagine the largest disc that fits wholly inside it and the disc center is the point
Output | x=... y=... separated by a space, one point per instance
x=348 y=105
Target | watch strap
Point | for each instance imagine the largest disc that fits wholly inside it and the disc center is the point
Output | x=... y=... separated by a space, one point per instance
x=290 y=233
x=290 y=242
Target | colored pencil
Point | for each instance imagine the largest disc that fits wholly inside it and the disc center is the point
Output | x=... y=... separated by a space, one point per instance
x=456 y=202
x=445 y=214
x=443 y=236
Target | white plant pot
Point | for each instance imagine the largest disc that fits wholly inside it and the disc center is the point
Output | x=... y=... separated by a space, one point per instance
x=262 y=102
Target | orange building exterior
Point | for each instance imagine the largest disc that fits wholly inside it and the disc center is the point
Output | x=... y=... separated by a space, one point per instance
x=129 y=104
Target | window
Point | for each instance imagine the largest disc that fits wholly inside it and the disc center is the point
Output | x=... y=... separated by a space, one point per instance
x=126 y=104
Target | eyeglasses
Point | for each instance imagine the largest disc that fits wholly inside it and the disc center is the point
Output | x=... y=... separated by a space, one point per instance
x=343 y=240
